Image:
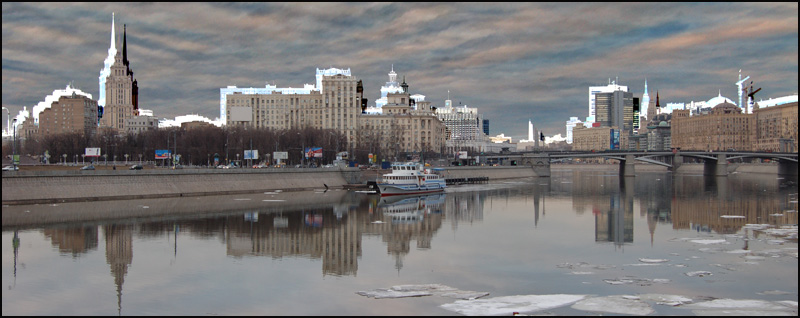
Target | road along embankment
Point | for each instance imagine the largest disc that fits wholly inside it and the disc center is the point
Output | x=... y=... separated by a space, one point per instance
x=33 y=187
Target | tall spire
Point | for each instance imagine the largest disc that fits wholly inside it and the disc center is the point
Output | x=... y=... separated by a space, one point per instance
x=658 y=104
x=113 y=35
x=124 y=44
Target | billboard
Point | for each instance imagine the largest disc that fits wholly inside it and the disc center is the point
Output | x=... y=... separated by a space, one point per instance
x=614 y=135
x=241 y=113
x=314 y=152
x=92 y=152
x=163 y=154
x=280 y=155
x=251 y=154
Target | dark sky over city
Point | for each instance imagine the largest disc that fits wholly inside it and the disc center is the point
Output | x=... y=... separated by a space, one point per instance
x=513 y=61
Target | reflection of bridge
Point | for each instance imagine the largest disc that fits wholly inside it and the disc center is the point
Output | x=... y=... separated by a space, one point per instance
x=715 y=163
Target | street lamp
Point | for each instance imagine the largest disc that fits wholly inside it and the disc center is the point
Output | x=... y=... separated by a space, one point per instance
x=14 y=146
x=83 y=158
x=126 y=159
x=140 y=158
x=65 y=158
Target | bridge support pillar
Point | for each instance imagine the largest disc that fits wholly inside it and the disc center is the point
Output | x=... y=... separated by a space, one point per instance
x=717 y=167
x=788 y=168
x=677 y=160
x=627 y=168
x=540 y=163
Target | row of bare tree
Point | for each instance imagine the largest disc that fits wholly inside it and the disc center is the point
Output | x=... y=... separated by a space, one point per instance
x=199 y=146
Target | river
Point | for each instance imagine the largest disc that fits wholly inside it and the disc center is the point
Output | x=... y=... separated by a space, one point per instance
x=577 y=243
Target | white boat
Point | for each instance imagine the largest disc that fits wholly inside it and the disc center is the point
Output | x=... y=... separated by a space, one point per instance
x=410 y=178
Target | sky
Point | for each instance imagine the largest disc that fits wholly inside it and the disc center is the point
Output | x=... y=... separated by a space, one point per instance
x=513 y=61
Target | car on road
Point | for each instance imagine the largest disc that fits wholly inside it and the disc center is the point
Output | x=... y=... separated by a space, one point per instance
x=136 y=167
x=10 y=168
x=89 y=167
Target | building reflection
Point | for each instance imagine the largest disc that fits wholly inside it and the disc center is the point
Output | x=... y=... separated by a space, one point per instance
x=616 y=223
x=119 y=254
x=75 y=241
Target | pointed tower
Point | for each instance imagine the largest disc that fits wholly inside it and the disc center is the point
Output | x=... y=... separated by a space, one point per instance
x=404 y=85
x=125 y=44
x=645 y=101
x=106 y=70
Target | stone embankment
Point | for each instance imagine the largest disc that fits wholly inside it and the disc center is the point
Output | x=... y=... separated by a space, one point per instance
x=34 y=187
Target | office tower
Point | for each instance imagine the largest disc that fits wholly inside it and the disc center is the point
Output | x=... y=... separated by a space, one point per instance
x=69 y=114
x=594 y=90
x=615 y=109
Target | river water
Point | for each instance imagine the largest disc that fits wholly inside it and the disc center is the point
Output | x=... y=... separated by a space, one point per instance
x=577 y=243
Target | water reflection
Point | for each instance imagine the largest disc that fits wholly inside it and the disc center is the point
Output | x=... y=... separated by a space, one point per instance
x=330 y=227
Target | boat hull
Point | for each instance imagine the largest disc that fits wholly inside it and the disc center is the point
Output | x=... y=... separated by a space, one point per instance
x=392 y=189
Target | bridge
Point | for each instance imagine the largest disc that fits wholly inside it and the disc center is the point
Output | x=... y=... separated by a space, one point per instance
x=715 y=163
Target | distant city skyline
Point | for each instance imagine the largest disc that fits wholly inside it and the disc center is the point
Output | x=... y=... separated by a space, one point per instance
x=512 y=61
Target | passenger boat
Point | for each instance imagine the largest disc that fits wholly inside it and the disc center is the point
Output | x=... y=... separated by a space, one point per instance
x=410 y=178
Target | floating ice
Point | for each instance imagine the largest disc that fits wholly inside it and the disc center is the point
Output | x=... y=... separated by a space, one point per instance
x=708 y=241
x=698 y=273
x=401 y=291
x=653 y=260
x=242 y=199
x=378 y=222
x=581 y=273
x=741 y=307
x=732 y=216
x=756 y=226
x=508 y=305
x=638 y=281
x=754 y=258
x=663 y=299
x=776 y=214
x=615 y=304
x=738 y=251
x=774 y=292
x=145 y=207
x=273 y=200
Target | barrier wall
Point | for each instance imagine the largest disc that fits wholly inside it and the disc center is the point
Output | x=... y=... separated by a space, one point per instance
x=68 y=186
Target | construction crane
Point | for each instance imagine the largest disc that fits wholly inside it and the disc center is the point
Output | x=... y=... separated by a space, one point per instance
x=739 y=84
x=750 y=99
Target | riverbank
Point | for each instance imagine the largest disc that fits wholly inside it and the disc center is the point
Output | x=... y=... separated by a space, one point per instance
x=41 y=187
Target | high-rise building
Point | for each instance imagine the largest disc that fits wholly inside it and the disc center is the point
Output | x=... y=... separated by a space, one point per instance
x=645 y=101
x=463 y=125
x=615 y=109
x=119 y=89
x=594 y=90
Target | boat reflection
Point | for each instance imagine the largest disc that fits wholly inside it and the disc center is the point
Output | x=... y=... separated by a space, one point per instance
x=410 y=208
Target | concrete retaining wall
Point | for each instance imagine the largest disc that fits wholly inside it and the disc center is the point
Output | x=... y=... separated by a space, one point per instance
x=68 y=186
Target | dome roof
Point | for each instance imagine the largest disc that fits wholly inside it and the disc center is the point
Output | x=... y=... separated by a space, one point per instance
x=663 y=124
x=718 y=100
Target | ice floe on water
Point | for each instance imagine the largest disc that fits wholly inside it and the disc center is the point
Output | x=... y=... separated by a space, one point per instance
x=401 y=291
x=710 y=241
x=584 y=265
x=732 y=216
x=615 y=305
x=653 y=260
x=508 y=305
x=629 y=280
x=698 y=273
x=742 y=307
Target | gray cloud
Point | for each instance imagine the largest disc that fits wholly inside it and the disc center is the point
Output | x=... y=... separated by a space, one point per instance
x=514 y=61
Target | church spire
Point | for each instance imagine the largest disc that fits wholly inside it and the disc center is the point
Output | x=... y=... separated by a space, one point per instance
x=658 y=104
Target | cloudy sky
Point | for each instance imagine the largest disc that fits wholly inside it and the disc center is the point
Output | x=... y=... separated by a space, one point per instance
x=514 y=61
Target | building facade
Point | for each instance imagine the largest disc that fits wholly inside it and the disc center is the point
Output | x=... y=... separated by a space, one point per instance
x=404 y=126
x=69 y=114
x=776 y=125
x=615 y=109
x=594 y=90
x=336 y=105
x=724 y=128
x=120 y=90
x=595 y=138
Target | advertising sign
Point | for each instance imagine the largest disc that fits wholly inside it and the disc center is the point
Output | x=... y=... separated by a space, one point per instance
x=251 y=154
x=462 y=155
x=163 y=154
x=92 y=152
x=280 y=155
x=314 y=152
x=614 y=135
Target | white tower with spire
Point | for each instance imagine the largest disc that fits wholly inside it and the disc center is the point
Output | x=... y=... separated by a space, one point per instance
x=109 y=61
x=391 y=87
x=645 y=102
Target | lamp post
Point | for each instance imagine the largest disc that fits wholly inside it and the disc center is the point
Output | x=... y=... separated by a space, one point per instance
x=140 y=158
x=14 y=146
x=76 y=159
x=126 y=159
x=65 y=158
x=83 y=158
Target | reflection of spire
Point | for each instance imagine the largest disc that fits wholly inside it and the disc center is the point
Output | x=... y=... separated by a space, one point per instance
x=119 y=254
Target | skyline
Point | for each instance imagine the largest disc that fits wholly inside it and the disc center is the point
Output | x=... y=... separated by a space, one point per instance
x=514 y=62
